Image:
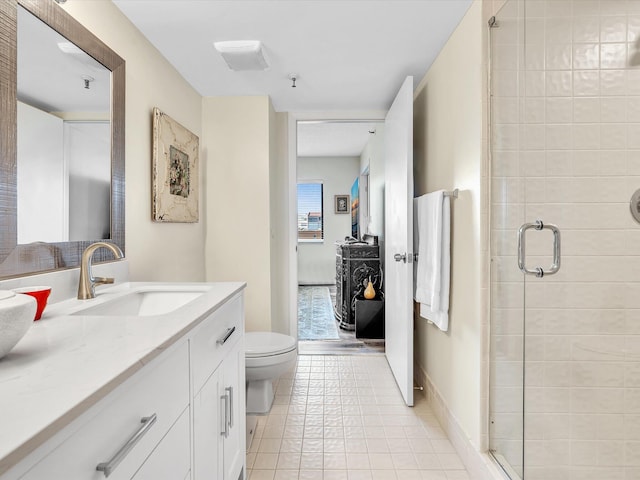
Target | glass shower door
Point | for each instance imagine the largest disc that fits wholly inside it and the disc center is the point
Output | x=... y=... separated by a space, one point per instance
x=566 y=151
x=506 y=395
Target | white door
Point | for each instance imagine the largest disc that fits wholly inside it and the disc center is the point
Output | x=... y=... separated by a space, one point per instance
x=398 y=238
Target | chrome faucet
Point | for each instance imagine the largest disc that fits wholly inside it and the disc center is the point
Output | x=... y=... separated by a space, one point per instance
x=87 y=284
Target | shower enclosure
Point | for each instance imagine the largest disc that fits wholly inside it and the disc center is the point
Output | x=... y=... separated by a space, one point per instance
x=565 y=148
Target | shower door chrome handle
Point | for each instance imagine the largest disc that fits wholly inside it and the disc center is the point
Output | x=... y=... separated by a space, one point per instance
x=522 y=254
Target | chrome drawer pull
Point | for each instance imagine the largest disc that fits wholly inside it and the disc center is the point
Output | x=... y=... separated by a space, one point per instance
x=230 y=390
x=108 y=467
x=225 y=432
x=226 y=336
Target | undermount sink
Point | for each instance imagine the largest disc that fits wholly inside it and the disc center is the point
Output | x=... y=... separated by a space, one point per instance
x=142 y=303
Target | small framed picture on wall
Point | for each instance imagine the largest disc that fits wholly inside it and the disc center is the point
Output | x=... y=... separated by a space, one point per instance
x=341 y=203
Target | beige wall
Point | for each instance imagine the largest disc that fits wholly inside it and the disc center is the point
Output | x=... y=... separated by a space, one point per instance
x=155 y=251
x=235 y=141
x=448 y=127
x=279 y=194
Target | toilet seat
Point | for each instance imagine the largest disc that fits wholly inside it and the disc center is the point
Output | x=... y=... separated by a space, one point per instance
x=267 y=344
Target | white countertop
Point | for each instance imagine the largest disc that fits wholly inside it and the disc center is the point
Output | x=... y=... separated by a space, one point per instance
x=65 y=364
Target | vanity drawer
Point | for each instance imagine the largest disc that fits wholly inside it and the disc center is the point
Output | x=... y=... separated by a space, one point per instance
x=214 y=338
x=172 y=457
x=161 y=389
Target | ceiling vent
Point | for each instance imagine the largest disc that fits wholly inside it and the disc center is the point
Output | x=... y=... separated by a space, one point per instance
x=242 y=55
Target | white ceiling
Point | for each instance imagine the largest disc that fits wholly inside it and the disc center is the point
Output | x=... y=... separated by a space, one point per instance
x=334 y=139
x=348 y=54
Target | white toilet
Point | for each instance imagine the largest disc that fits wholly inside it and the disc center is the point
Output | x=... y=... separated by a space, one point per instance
x=267 y=356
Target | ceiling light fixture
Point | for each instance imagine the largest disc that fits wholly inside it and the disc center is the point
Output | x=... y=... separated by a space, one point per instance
x=242 y=55
x=293 y=77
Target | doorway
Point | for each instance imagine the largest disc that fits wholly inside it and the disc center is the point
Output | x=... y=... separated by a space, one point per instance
x=335 y=205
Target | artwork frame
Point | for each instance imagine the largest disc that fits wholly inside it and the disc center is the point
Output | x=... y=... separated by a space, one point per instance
x=341 y=204
x=175 y=171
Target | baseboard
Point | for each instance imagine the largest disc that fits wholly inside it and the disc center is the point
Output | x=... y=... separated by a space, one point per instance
x=480 y=465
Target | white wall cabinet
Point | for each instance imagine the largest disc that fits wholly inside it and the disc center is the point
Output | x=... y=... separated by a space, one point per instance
x=195 y=390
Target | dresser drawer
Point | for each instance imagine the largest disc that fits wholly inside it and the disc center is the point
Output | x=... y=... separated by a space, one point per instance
x=161 y=389
x=213 y=339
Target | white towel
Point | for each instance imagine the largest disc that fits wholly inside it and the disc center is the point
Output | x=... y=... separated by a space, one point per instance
x=432 y=270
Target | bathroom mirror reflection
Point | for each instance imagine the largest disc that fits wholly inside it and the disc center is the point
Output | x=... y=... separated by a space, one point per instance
x=62 y=164
x=63 y=151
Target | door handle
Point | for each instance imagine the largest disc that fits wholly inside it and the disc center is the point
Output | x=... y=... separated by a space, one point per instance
x=403 y=257
x=522 y=249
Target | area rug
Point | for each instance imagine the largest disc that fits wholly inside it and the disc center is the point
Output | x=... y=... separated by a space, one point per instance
x=315 y=314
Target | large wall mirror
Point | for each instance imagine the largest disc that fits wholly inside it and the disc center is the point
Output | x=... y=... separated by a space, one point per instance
x=62 y=140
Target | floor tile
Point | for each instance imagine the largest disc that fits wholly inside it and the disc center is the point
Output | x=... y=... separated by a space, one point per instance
x=262 y=474
x=286 y=475
x=335 y=461
x=310 y=475
x=291 y=445
x=381 y=461
x=269 y=445
x=384 y=475
x=335 y=475
x=265 y=461
x=342 y=418
x=288 y=461
x=450 y=461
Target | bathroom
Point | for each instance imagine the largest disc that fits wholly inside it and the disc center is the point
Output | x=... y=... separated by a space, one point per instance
x=461 y=370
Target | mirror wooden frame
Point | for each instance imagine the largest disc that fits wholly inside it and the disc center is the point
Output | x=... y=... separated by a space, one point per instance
x=67 y=254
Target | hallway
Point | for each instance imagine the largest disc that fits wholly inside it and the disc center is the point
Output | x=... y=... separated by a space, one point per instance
x=314 y=325
x=342 y=418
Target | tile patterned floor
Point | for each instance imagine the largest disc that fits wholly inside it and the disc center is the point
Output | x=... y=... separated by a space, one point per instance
x=342 y=418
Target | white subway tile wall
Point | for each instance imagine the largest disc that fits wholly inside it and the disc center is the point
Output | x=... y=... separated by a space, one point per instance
x=565 y=80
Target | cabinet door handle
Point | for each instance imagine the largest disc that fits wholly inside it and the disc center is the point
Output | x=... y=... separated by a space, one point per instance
x=230 y=390
x=225 y=431
x=108 y=467
x=225 y=337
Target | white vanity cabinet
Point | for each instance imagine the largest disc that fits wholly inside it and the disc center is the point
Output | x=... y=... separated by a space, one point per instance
x=218 y=406
x=180 y=416
x=158 y=393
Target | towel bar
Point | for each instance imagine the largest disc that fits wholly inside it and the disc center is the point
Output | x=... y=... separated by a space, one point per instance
x=453 y=194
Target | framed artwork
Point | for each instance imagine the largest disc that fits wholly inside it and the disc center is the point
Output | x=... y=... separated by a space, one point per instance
x=175 y=171
x=341 y=203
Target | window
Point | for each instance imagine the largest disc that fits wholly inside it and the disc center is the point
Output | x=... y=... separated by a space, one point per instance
x=310 y=224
